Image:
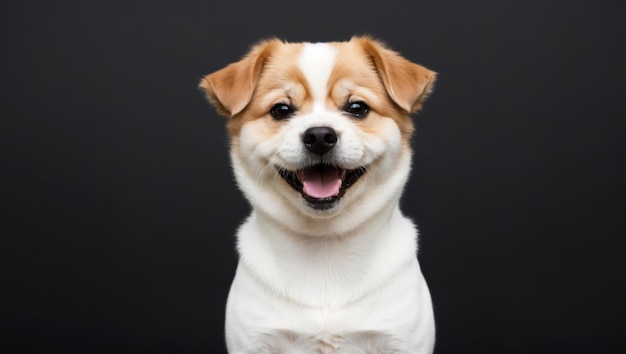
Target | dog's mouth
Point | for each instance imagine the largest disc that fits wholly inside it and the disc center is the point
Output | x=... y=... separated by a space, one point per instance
x=322 y=185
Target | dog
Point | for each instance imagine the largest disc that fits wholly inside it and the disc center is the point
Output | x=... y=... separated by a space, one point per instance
x=320 y=146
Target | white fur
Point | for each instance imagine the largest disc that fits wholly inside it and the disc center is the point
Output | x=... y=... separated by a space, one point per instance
x=316 y=63
x=344 y=280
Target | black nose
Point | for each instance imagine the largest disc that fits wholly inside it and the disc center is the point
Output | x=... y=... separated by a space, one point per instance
x=319 y=140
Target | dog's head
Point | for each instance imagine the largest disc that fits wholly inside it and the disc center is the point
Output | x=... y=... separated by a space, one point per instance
x=320 y=131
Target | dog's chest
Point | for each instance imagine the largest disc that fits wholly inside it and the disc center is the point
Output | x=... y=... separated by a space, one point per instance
x=284 y=342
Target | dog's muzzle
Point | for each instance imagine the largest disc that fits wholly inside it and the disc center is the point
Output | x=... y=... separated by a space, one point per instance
x=323 y=184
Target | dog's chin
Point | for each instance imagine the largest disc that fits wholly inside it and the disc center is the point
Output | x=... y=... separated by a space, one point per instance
x=322 y=186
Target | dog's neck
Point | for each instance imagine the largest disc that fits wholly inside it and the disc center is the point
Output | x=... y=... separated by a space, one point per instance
x=327 y=271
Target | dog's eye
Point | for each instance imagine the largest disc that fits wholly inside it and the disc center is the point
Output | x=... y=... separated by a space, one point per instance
x=281 y=111
x=358 y=109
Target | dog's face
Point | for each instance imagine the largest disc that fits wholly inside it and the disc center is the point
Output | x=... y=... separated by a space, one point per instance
x=320 y=131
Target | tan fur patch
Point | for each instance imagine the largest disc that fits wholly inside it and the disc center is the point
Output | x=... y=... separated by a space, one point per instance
x=355 y=78
x=280 y=82
x=231 y=88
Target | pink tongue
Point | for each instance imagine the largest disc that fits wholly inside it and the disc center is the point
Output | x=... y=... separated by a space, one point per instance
x=321 y=182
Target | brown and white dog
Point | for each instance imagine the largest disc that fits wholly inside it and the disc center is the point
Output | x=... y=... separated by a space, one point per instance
x=320 y=148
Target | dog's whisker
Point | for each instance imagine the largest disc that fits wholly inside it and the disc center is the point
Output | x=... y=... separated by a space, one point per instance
x=261 y=173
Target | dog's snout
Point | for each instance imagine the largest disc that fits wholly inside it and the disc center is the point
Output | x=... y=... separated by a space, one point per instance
x=319 y=140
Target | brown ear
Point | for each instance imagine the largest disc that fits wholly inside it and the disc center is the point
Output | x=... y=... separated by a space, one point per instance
x=230 y=89
x=407 y=83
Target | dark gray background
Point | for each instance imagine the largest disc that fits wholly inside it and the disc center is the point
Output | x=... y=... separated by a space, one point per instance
x=120 y=208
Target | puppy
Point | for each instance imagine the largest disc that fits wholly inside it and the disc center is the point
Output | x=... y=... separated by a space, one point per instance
x=320 y=148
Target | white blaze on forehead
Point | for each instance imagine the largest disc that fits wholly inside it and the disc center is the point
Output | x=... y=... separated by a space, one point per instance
x=316 y=62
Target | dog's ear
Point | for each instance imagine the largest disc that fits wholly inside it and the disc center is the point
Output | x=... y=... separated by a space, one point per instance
x=407 y=83
x=230 y=89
